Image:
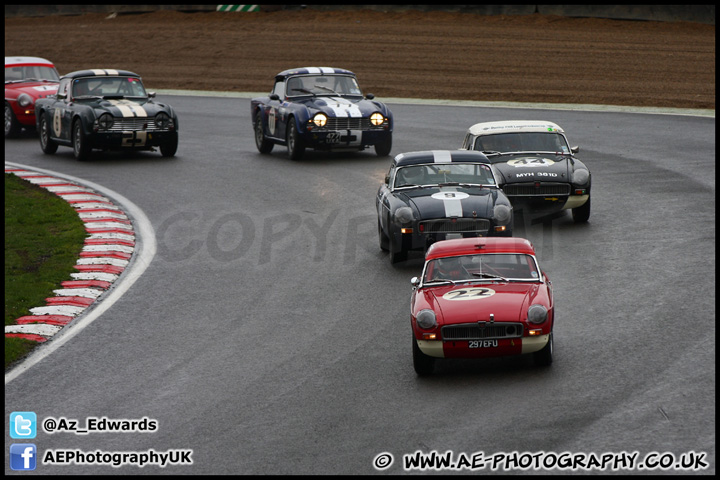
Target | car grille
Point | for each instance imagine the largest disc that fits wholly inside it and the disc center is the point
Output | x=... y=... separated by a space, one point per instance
x=526 y=189
x=474 y=331
x=456 y=225
x=125 y=124
x=350 y=123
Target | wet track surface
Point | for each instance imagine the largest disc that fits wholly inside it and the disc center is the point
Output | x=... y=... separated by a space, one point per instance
x=271 y=335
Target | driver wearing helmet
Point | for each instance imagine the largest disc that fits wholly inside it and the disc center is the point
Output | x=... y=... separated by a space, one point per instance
x=450 y=268
x=411 y=176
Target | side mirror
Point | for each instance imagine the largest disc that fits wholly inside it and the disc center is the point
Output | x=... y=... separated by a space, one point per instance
x=274 y=96
x=151 y=94
x=575 y=149
x=387 y=179
x=369 y=96
x=415 y=281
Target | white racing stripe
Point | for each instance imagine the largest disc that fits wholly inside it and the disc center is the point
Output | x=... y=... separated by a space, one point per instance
x=104 y=71
x=128 y=108
x=452 y=204
x=441 y=156
x=343 y=107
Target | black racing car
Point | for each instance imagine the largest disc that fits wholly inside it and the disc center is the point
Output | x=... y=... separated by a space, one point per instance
x=105 y=109
x=437 y=195
x=535 y=166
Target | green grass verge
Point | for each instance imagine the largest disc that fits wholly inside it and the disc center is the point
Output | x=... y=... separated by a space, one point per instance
x=43 y=239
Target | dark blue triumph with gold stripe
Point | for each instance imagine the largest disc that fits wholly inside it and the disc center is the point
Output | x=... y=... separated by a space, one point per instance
x=108 y=110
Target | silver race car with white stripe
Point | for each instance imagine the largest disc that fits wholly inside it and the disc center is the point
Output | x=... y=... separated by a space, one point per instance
x=321 y=108
x=108 y=110
x=438 y=195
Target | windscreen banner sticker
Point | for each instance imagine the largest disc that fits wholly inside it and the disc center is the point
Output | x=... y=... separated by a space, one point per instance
x=530 y=162
x=474 y=293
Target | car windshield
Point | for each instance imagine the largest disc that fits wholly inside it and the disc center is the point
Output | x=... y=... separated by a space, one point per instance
x=482 y=267
x=522 y=142
x=108 y=87
x=30 y=73
x=322 y=85
x=444 y=174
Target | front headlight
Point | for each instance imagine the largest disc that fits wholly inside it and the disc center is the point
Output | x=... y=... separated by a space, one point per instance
x=502 y=214
x=320 y=120
x=105 y=122
x=162 y=121
x=580 y=177
x=24 y=100
x=404 y=215
x=426 y=319
x=537 y=314
x=377 y=119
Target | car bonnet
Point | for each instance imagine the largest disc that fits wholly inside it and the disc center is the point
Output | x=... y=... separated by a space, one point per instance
x=446 y=202
x=474 y=302
x=342 y=107
x=533 y=167
x=34 y=89
x=125 y=107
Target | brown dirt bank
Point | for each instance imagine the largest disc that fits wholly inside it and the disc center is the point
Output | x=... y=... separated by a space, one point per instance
x=410 y=54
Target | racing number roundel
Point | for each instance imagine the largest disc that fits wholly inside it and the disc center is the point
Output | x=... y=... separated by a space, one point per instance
x=530 y=162
x=57 y=122
x=474 y=293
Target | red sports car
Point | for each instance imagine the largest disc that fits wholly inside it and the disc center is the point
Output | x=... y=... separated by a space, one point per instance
x=26 y=80
x=478 y=298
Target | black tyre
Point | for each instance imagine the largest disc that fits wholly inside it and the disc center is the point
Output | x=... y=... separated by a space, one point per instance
x=12 y=126
x=581 y=214
x=544 y=357
x=398 y=251
x=383 y=148
x=263 y=144
x=295 y=145
x=169 y=148
x=423 y=364
x=384 y=240
x=46 y=144
x=398 y=256
x=81 y=147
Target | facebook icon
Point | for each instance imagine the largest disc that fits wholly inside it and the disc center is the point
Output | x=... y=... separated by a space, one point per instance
x=23 y=456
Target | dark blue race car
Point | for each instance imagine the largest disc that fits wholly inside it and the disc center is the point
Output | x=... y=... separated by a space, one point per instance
x=320 y=108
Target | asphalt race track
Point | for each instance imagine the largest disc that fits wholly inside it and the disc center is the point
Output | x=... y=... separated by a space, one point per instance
x=270 y=334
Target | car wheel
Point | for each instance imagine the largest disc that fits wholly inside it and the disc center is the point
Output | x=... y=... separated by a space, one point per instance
x=399 y=256
x=295 y=145
x=46 y=144
x=398 y=251
x=263 y=144
x=544 y=357
x=383 y=148
x=384 y=240
x=169 y=148
x=12 y=126
x=81 y=148
x=423 y=364
x=581 y=214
